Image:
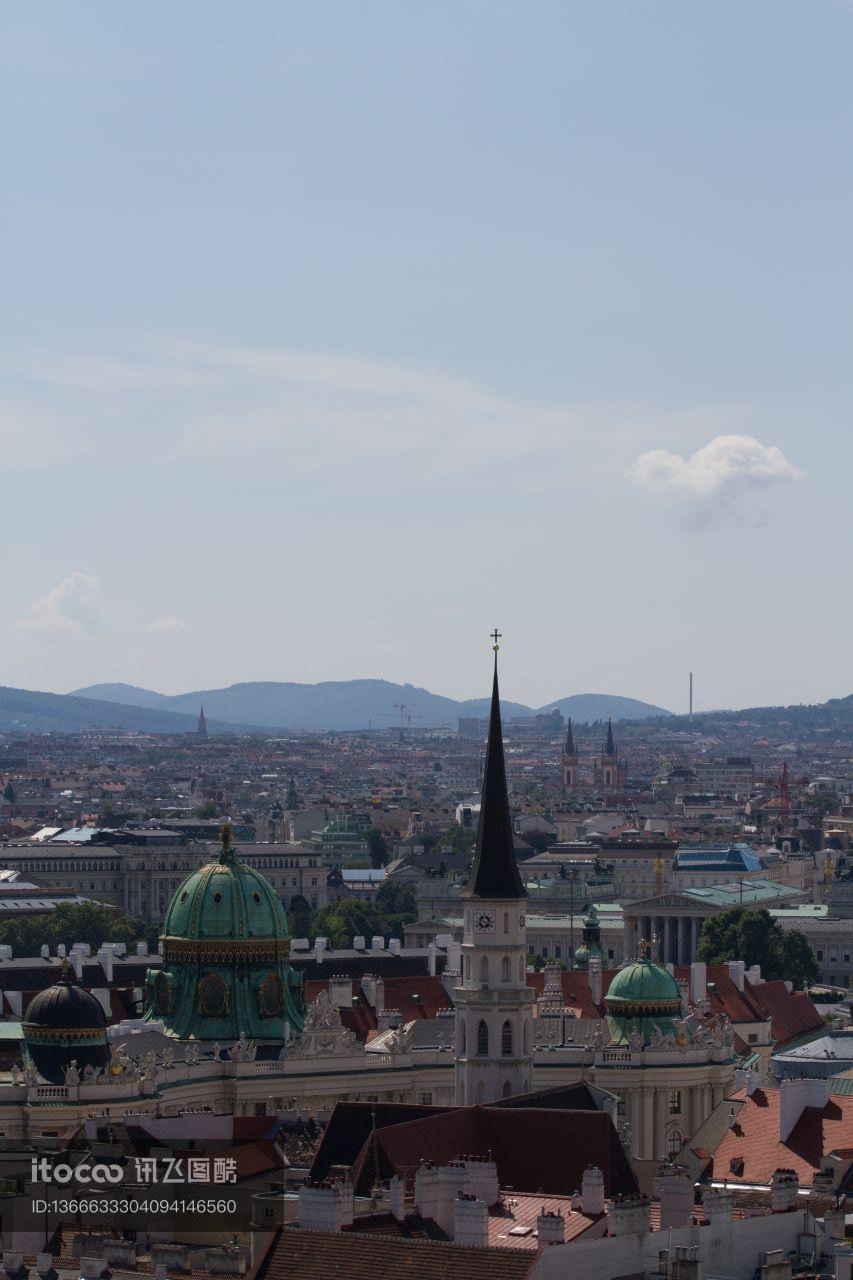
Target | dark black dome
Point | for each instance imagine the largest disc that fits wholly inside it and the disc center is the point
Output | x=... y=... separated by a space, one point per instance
x=64 y=1005
x=65 y=1026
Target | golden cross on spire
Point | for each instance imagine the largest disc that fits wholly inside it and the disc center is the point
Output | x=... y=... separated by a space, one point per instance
x=496 y=635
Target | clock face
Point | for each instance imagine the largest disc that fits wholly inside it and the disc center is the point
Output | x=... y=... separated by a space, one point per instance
x=484 y=921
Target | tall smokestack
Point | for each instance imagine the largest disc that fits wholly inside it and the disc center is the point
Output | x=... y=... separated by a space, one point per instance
x=691 y=697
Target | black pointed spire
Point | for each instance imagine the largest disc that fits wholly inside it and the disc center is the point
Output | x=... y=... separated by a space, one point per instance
x=610 y=745
x=495 y=870
x=570 y=740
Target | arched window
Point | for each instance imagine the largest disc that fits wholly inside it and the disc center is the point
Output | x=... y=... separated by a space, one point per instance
x=463 y=1041
x=484 y=969
x=507 y=1089
x=467 y=968
x=526 y=1038
x=506 y=922
x=673 y=1144
x=482 y=1039
x=506 y=1039
x=505 y=969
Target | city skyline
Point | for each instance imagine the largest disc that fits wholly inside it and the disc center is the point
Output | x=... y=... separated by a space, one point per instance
x=329 y=339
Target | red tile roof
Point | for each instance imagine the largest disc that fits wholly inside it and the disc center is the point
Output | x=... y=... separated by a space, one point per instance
x=296 y=1254
x=754 y=1140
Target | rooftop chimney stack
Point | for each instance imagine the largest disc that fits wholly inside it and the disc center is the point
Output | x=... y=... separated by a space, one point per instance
x=470 y=1221
x=784 y=1189
x=550 y=1228
x=592 y=1192
x=674 y=1190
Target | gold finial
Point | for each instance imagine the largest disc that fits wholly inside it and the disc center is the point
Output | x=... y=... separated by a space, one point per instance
x=64 y=967
x=226 y=837
x=496 y=635
x=643 y=948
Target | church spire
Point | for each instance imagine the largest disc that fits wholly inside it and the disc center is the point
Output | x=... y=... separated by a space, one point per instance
x=570 y=740
x=201 y=727
x=610 y=745
x=495 y=871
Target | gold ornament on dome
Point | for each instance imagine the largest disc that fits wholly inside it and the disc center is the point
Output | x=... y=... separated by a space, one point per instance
x=213 y=995
x=270 y=996
x=225 y=950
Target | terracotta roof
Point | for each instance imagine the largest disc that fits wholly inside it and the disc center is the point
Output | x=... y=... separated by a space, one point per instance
x=296 y=1254
x=792 y=1012
x=539 y=1151
x=754 y=1140
x=399 y=994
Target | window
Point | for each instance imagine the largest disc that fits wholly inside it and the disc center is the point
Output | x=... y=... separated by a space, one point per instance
x=752 y=1038
x=482 y=1039
x=425 y=1099
x=468 y=968
x=675 y=1103
x=819 y=955
x=506 y=1039
x=484 y=969
x=673 y=1144
x=558 y=951
x=463 y=1045
x=505 y=969
x=545 y=951
x=506 y=922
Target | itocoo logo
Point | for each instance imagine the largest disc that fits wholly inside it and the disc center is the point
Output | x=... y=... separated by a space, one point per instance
x=44 y=1171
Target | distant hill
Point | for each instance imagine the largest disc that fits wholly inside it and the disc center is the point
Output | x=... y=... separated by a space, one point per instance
x=586 y=708
x=26 y=711
x=777 y=723
x=350 y=704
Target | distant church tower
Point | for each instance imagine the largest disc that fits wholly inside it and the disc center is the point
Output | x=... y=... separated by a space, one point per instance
x=201 y=727
x=611 y=773
x=570 y=761
x=493 y=1004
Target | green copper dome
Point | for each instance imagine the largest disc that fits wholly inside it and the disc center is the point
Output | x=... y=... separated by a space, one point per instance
x=641 y=997
x=225 y=958
x=226 y=899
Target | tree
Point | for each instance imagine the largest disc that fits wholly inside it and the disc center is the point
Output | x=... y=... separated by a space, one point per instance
x=206 y=810
x=755 y=937
x=377 y=847
x=462 y=839
x=90 y=922
x=9 y=793
x=299 y=916
x=540 y=841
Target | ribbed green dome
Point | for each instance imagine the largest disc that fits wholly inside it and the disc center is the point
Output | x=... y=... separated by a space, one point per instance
x=643 y=983
x=225 y=899
x=641 y=998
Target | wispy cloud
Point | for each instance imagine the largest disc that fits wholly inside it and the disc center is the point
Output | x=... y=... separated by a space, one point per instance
x=730 y=469
x=294 y=412
x=74 y=607
x=167 y=626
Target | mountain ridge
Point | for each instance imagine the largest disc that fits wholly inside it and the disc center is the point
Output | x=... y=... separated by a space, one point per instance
x=352 y=704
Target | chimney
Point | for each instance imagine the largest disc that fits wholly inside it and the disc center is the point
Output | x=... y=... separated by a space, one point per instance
x=377 y=942
x=747 y=1079
x=595 y=977
x=698 y=981
x=737 y=969
x=397 y=1198
x=451 y=1181
x=77 y=964
x=481 y=1180
x=784 y=1189
x=320 y=947
x=628 y=1215
x=550 y=1228
x=44 y=1266
x=794 y=1097
x=321 y=1207
x=674 y=1190
x=754 y=975
x=470 y=1221
x=5 y=951
x=105 y=960
x=142 y=949
x=45 y=951
x=426 y=1191
x=13 y=1265
x=718 y=1203
x=358 y=942
x=592 y=1192
x=340 y=991
x=395 y=946
x=368 y=988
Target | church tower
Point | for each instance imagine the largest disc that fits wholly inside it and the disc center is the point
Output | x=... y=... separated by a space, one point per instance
x=611 y=773
x=201 y=727
x=493 y=1004
x=570 y=761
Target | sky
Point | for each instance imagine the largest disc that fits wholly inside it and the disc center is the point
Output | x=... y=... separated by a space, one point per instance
x=335 y=334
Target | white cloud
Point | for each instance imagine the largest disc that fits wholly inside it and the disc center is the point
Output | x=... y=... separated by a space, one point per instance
x=169 y=624
x=73 y=607
x=292 y=412
x=725 y=471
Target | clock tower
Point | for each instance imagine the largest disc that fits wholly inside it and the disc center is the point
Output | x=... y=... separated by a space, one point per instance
x=494 y=1003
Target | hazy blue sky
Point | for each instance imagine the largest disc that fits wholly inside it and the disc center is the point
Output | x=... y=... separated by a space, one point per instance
x=335 y=332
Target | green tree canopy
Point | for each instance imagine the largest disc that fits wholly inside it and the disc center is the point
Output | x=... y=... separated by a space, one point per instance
x=755 y=937
x=377 y=847
x=90 y=922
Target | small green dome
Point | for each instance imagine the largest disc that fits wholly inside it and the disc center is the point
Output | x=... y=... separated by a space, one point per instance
x=225 y=899
x=643 y=988
x=641 y=998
